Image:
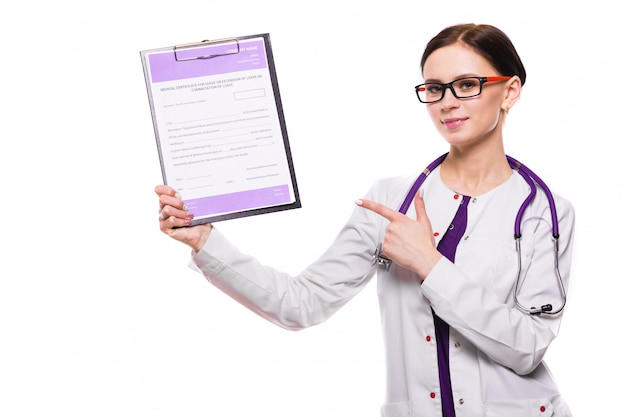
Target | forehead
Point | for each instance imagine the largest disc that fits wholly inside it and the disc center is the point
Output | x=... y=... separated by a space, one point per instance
x=450 y=62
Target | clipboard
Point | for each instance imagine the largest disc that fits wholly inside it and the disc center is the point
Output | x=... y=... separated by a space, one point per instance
x=220 y=128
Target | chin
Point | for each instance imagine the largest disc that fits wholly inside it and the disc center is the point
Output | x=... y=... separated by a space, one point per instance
x=467 y=139
x=456 y=138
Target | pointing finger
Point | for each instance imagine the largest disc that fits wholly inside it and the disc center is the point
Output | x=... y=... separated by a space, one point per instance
x=380 y=209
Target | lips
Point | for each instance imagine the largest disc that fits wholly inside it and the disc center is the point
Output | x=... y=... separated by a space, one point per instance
x=453 y=122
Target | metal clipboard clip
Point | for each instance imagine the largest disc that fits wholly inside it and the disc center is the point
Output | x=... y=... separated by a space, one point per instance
x=218 y=47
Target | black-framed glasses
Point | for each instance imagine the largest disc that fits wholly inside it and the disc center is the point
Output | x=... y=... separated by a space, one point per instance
x=466 y=87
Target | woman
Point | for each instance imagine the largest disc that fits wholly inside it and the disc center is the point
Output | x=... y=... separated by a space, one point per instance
x=456 y=342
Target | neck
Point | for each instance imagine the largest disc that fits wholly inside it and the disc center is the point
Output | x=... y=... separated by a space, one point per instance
x=475 y=172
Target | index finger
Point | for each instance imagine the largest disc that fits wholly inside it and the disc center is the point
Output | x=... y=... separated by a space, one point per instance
x=169 y=196
x=380 y=209
x=165 y=189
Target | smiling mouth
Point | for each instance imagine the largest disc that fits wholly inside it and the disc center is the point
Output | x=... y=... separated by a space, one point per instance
x=453 y=122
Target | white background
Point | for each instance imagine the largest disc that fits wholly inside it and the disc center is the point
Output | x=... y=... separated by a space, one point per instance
x=99 y=314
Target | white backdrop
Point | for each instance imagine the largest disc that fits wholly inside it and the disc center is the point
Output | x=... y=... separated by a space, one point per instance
x=99 y=314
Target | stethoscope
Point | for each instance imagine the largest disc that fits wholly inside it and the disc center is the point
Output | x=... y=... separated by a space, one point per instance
x=533 y=180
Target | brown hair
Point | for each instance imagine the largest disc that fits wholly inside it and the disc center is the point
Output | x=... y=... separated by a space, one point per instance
x=488 y=41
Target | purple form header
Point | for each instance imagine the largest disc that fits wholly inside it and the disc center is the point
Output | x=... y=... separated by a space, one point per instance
x=164 y=67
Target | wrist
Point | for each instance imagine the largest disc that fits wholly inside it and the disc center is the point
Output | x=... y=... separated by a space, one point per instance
x=427 y=263
x=199 y=240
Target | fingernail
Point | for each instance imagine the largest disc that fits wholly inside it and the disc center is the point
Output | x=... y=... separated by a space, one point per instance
x=185 y=207
x=177 y=195
x=358 y=202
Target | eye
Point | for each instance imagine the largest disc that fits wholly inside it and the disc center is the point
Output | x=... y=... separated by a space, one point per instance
x=466 y=84
x=433 y=88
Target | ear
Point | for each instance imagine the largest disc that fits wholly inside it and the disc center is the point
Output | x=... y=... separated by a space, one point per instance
x=512 y=93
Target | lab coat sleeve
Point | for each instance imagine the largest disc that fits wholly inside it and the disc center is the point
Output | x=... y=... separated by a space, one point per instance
x=309 y=298
x=495 y=325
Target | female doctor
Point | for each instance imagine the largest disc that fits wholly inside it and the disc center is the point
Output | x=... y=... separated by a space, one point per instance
x=457 y=341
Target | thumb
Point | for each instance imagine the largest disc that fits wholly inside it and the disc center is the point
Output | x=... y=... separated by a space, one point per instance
x=422 y=217
x=420 y=208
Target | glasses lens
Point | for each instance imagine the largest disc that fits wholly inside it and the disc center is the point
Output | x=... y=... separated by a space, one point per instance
x=467 y=87
x=429 y=92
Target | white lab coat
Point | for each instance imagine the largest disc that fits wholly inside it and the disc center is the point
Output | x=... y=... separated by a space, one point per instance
x=496 y=350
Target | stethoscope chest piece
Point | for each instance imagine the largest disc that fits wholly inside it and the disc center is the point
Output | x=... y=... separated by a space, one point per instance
x=380 y=259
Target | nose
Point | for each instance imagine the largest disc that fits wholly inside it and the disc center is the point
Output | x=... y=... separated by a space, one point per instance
x=448 y=101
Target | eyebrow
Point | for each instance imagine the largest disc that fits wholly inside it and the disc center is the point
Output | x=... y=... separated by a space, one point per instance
x=458 y=77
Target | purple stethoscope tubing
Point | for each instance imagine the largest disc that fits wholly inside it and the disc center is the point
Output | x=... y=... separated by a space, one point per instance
x=533 y=180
